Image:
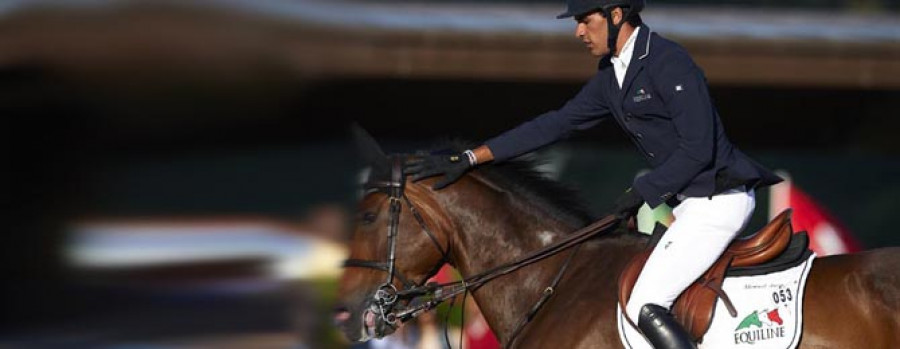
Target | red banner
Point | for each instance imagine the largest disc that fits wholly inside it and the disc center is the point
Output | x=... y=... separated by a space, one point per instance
x=826 y=234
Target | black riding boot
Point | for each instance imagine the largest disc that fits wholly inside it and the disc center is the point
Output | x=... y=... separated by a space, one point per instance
x=662 y=330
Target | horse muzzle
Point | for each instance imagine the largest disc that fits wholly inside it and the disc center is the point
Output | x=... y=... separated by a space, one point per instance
x=369 y=323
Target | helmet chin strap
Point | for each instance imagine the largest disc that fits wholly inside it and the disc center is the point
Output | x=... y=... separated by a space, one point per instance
x=614 y=29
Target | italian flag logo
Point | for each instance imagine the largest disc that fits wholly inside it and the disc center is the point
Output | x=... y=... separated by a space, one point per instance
x=758 y=318
x=761 y=325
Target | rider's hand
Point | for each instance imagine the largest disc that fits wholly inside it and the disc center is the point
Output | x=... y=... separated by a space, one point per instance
x=627 y=204
x=452 y=166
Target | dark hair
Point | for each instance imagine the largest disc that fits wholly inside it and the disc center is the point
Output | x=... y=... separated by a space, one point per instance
x=634 y=19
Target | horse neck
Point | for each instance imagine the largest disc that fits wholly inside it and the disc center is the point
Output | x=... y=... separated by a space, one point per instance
x=492 y=228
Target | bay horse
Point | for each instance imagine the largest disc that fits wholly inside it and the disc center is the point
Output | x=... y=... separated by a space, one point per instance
x=498 y=213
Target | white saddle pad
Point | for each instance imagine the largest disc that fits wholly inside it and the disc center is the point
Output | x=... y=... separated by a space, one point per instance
x=770 y=313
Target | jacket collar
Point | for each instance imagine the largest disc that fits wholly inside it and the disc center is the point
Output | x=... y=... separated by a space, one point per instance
x=642 y=43
x=641 y=52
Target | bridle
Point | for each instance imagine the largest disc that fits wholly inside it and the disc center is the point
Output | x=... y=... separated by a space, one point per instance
x=386 y=296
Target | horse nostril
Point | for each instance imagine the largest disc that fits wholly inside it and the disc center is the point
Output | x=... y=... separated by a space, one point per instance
x=341 y=315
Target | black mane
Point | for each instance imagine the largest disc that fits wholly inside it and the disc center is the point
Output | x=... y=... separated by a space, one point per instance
x=520 y=176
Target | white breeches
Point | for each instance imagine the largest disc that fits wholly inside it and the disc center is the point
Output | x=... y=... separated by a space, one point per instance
x=702 y=229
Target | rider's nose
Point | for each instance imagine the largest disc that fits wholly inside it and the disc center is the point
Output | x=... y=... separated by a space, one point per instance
x=341 y=315
x=578 y=32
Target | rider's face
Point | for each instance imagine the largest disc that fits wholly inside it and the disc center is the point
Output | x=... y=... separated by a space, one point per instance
x=593 y=31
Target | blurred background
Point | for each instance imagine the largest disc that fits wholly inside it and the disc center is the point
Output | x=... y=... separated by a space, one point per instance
x=180 y=173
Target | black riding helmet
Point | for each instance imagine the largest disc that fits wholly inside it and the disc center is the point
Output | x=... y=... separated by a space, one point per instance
x=578 y=8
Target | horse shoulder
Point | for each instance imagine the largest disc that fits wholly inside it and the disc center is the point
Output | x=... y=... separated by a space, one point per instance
x=582 y=313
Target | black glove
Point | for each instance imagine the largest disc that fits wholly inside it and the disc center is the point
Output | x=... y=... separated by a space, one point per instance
x=452 y=166
x=627 y=204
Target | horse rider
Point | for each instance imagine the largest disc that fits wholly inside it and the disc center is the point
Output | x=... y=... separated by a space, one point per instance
x=653 y=89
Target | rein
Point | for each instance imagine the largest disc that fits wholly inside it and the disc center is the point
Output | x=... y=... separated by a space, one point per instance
x=387 y=295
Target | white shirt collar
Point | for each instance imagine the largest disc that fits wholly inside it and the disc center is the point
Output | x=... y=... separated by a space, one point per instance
x=620 y=63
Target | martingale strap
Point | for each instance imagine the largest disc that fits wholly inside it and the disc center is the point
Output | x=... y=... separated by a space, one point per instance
x=545 y=296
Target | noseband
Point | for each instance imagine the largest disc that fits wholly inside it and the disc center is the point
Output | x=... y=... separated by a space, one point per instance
x=387 y=295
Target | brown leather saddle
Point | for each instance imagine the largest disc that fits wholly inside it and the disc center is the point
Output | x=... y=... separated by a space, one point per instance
x=695 y=307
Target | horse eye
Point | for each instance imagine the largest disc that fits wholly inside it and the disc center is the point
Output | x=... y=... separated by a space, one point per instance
x=369 y=217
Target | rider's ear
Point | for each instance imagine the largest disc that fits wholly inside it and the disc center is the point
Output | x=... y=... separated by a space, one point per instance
x=369 y=149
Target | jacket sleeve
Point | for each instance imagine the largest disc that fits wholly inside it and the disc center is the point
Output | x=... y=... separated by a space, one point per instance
x=583 y=111
x=682 y=86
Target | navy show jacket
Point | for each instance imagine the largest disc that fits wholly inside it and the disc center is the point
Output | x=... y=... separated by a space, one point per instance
x=665 y=108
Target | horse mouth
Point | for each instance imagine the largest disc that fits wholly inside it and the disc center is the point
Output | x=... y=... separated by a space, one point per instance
x=368 y=325
x=373 y=325
x=357 y=329
x=364 y=325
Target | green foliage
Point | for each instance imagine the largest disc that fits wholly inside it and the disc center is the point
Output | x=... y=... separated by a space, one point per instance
x=455 y=313
x=325 y=291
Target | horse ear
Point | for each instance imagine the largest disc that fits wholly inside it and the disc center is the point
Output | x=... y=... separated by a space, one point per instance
x=369 y=149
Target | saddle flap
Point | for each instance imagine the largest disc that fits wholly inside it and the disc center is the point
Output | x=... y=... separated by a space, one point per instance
x=695 y=307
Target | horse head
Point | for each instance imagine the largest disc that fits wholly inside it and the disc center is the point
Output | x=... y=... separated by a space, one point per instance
x=400 y=239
